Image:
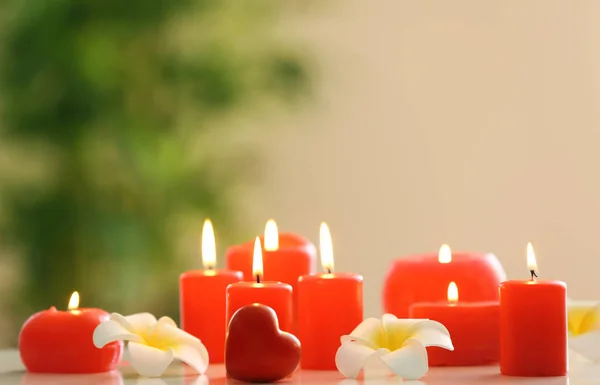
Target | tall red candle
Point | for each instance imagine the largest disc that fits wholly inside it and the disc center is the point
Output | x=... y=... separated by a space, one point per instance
x=202 y=298
x=276 y=295
x=54 y=341
x=330 y=305
x=425 y=278
x=286 y=257
x=533 y=326
x=474 y=328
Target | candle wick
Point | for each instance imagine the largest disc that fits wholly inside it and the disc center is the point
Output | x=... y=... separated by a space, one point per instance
x=328 y=270
x=533 y=274
x=210 y=268
x=257 y=278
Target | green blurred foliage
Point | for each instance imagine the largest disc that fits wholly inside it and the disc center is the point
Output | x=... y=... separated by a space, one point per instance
x=109 y=109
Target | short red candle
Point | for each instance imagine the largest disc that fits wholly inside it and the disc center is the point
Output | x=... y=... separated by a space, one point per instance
x=474 y=328
x=330 y=305
x=202 y=299
x=533 y=326
x=286 y=257
x=276 y=295
x=54 y=341
x=423 y=278
x=202 y=307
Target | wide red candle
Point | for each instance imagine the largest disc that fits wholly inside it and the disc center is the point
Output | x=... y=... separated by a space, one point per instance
x=533 y=326
x=474 y=328
x=330 y=305
x=202 y=298
x=425 y=278
x=276 y=295
x=54 y=341
x=286 y=257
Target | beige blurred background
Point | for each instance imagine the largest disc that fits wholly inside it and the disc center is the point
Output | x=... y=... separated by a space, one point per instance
x=471 y=123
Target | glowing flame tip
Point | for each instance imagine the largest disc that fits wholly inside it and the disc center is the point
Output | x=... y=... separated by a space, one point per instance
x=531 y=261
x=271 y=236
x=445 y=254
x=73 y=301
x=326 y=247
x=257 y=261
x=452 y=292
x=208 y=247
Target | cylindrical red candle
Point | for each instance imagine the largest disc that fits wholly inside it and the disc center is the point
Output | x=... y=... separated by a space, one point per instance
x=423 y=278
x=533 y=327
x=202 y=307
x=276 y=295
x=474 y=328
x=330 y=305
x=202 y=299
x=54 y=341
x=286 y=257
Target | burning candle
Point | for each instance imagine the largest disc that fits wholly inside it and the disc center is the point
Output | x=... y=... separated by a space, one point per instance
x=54 y=341
x=330 y=305
x=276 y=295
x=286 y=257
x=533 y=326
x=478 y=276
x=202 y=298
x=474 y=328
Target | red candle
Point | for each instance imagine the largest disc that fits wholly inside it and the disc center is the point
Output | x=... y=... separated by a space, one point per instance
x=276 y=295
x=474 y=328
x=330 y=305
x=286 y=257
x=202 y=298
x=533 y=326
x=54 y=341
x=425 y=278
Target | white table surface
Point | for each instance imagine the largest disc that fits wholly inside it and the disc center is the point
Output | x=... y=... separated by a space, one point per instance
x=12 y=372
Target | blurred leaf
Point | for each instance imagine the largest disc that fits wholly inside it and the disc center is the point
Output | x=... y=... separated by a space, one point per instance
x=106 y=88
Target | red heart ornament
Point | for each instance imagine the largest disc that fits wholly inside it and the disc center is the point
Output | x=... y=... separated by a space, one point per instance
x=256 y=350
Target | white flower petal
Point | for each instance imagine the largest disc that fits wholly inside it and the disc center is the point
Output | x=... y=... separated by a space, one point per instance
x=369 y=332
x=149 y=361
x=174 y=336
x=166 y=320
x=408 y=362
x=187 y=348
x=432 y=333
x=375 y=369
x=141 y=323
x=110 y=331
x=397 y=330
x=583 y=316
x=352 y=356
x=195 y=358
x=588 y=345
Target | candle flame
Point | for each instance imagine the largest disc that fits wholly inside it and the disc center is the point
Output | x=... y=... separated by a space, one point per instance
x=326 y=247
x=452 y=292
x=445 y=254
x=73 y=301
x=209 y=252
x=257 y=261
x=531 y=262
x=271 y=236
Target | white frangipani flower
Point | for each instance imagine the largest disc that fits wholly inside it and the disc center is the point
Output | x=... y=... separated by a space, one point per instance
x=152 y=345
x=584 y=328
x=397 y=343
